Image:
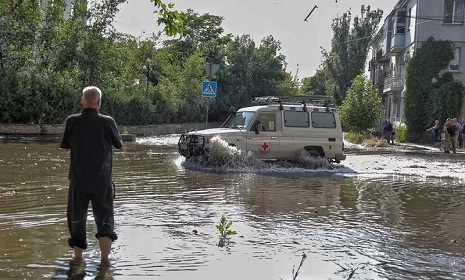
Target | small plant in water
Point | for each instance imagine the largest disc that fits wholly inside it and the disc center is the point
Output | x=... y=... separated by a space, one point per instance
x=223 y=228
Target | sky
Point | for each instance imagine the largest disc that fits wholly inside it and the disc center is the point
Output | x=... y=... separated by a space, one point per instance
x=301 y=41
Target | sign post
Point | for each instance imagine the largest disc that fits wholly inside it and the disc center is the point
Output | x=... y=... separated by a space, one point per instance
x=209 y=87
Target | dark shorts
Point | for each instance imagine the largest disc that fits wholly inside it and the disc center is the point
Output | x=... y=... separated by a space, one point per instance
x=102 y=209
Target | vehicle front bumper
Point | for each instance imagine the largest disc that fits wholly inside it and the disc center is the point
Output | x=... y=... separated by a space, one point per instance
x=192 y=145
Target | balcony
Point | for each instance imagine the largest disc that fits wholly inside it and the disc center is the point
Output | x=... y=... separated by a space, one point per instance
x=393 y=83
x=380 y=57
x=397 y=43
x=379 y=78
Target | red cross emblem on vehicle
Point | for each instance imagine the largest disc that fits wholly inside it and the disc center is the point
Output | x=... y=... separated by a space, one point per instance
x=265 y=147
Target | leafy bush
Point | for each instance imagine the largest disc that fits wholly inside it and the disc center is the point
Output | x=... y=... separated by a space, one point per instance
x=362 y=106
x=432 y=94
x=400 y=135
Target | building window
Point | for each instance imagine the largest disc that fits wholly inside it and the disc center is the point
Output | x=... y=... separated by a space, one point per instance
x=409 y=18
x=454 y=11
x=454 y=64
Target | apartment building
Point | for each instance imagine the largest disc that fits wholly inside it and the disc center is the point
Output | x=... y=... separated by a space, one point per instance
x=68 y=9
x=410 y=23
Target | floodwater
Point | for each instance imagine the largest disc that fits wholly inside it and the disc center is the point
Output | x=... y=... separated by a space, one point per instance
x=391 y=213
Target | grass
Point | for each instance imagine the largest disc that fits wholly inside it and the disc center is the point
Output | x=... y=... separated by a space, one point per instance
x=365 y=139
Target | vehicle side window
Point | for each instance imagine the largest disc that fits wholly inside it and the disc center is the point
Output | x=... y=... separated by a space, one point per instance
x=296 y=119
x=267 y=121
x=323 y=120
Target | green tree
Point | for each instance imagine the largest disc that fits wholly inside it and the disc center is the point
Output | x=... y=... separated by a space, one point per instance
x=248 y=72
x=349 y=48
x=201 y=33
x=427 y=92
x=362 y=107
x=316 y=84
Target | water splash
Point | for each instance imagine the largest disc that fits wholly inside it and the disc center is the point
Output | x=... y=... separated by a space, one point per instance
x=229 y=158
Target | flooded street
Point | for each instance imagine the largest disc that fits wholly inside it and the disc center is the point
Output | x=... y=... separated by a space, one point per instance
x=392 y=213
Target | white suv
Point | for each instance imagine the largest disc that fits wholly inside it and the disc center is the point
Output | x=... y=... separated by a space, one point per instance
x=276 y=128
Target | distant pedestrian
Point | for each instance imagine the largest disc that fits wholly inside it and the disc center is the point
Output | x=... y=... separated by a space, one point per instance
x=463 y=133
x=388 y=131
x=450 y=131
x=90 y=137
x=436 y=129
x=459 y=134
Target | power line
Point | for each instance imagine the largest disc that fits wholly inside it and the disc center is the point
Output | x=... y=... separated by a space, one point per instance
x=426 y=19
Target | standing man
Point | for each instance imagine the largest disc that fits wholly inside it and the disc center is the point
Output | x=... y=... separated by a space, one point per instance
x=450 y=131
x=436 y=128
x=388 y=131
x=90 y=138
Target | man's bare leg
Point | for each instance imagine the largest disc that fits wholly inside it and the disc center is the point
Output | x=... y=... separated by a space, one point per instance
x=105 y=248
x=78 y=253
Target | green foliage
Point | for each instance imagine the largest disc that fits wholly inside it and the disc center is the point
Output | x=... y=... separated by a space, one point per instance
x=362 y=106
x=431 y=94
x=46 y=60
x=224 y=228
x=400 y=135
x=169 y=18
x=349 y=49
x=315 y=85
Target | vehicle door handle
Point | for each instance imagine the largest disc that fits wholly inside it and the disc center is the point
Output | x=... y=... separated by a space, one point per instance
x=273 y=137
x=253 y=138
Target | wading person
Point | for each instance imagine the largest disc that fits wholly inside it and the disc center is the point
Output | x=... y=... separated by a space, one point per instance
x=90 y=138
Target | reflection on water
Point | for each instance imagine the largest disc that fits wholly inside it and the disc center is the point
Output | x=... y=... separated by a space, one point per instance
x=368 y=214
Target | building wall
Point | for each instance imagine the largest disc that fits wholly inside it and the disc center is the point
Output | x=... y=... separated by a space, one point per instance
x=436 y=28
x=411 y=25
x=443 y=31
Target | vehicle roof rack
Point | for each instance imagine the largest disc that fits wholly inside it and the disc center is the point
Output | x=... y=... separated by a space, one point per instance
x=315 y=100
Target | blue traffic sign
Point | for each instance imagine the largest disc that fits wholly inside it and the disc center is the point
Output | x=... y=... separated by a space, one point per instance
x=209 y=89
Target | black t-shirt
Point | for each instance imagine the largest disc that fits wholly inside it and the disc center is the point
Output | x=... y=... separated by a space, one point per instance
x=91 y=137
x=452 y=129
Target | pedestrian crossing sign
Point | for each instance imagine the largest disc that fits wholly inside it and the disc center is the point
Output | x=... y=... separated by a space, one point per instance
x=209 y=89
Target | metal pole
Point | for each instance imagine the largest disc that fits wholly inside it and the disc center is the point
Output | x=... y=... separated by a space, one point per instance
x=206 y=121
x=208 y=101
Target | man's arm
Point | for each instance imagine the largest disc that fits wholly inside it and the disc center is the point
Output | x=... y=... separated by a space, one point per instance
x=65 y=140
x=115 y=135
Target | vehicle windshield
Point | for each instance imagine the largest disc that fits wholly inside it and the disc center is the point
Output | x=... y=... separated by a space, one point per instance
x=241 y=120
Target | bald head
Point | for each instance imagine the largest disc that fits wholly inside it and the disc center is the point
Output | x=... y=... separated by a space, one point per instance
x=91 y=97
